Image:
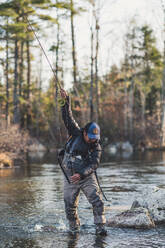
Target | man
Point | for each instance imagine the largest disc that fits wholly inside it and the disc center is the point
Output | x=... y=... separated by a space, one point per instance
x=81 y=159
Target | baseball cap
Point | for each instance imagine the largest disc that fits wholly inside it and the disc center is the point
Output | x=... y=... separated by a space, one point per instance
x=93 y=131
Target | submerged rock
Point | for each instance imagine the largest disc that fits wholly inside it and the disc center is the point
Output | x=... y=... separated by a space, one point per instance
x=134 y=218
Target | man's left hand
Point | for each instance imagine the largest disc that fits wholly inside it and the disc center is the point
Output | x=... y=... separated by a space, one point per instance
x=75 y=178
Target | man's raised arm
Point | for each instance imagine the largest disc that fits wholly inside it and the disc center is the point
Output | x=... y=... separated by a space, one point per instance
x=70 y=123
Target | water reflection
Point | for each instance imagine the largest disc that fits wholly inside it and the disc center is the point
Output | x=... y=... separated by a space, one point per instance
x=100 y=242
x=147 y=156
x=6 y=172
x=72 y=239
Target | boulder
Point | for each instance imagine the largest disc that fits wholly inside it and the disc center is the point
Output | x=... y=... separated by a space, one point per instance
x=35 y=146
x=5 y=161
x=153 y=200
x=112 y=149
x=35 y=156
x=125 y=149
x=133 y=218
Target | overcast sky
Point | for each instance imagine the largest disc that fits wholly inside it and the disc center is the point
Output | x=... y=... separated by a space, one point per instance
x=115 y=16
x=114 y=23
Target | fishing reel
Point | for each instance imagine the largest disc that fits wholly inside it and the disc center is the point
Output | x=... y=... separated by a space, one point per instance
x=61 y=102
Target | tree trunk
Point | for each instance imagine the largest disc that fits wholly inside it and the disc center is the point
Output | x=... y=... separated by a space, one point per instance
x=131 y=101
x=28 y=115
x=73 y=45
x=125 y=109
x=163 y=90
x=126 y=68
x=163 y=106
x=74 y=56
x=131 y=104
x=57 y=67
x=131 y=94
x=91 y=88
x=40 y=75
x=15 y=92
x=7 y=76
x=143 y=101
x=62 y=68
x=21 y=65
x=96 y=71
x=38 y=100
x=57 y=79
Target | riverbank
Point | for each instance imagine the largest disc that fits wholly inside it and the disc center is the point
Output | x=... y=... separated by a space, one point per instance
x=16 y=143
x=14 y=146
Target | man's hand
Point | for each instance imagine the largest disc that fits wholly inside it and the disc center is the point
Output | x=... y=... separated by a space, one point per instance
x=63 y=93
x=75 y=178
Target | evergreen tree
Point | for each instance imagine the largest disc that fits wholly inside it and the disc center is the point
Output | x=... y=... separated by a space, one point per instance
x=146 y=64
x=19 y=13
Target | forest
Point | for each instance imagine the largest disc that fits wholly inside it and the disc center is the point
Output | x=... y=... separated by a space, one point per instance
x=127 y=101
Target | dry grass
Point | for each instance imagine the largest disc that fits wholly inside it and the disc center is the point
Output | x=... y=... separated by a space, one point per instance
x=13 y=143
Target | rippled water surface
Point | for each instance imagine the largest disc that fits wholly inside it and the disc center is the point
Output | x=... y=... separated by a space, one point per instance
x=32 y=208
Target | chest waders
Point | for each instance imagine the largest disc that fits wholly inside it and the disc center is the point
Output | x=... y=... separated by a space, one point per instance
x=62 y=153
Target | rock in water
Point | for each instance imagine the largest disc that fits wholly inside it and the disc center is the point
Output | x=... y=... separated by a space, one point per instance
x=134 y=218
x=153 y=200
x=5 y=161
x=38 y=228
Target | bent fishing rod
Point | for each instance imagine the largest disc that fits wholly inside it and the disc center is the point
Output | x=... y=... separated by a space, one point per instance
x=61 y=101
x=32 y=29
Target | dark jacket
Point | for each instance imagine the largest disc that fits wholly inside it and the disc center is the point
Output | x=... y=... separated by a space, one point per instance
x=76 y=145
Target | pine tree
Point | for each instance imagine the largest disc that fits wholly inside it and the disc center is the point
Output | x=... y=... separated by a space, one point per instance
x=146 y=65
x=19 y=14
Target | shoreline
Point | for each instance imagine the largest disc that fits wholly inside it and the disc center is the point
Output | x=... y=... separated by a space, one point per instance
x=9 y=160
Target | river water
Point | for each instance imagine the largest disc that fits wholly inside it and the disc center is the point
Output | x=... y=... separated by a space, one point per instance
x=32 y=208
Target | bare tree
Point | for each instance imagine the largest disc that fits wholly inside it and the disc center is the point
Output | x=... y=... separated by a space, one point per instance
x=15 y=91
x=97 y=28
x=92 y=76
x=7 y=75
x=74 y=59
x=28 y=57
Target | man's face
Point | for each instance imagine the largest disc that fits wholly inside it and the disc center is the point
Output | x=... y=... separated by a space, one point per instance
x=87 y=139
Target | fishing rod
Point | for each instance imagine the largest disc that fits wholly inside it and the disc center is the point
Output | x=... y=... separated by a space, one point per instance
x=32 y=29
x=61 y=101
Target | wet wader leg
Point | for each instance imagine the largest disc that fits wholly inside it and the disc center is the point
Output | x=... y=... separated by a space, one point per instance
x=71 y=199
x=91 y=190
